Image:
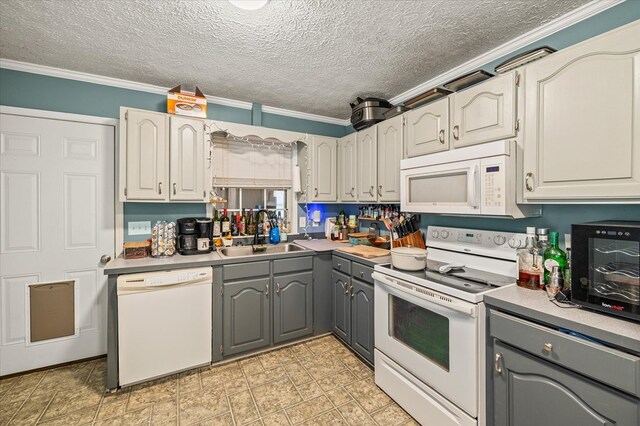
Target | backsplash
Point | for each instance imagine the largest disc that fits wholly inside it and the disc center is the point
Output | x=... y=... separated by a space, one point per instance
x=153 y=212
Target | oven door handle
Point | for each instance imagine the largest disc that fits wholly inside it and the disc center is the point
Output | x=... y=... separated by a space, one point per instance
x=427 y=294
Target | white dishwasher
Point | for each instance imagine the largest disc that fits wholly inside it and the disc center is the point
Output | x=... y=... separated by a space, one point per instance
x=164 y=323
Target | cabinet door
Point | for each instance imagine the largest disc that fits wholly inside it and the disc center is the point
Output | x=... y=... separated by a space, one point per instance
x=246 y=315
x=389 y=156
x=324 y=166
x=341 y=309
x=427 y=129
x=347 y=187
x=147 y=151
x=367 y=151
x=582 y=122
x=485 y=112
x=292 y=306
x=362 y=318
x=187 y=159
x=528 y=391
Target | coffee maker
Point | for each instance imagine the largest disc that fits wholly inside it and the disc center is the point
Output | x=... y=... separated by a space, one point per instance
x=194 y=235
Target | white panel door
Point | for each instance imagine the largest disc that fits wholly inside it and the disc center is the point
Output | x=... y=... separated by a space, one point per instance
x=147 y=155
x=325 y=182
x=427 y=129
x=582 y=122
x=187 y=148
x=485 y=112
x=347 y=186
x=389 y=156
x=56 y=220
x=367 y=151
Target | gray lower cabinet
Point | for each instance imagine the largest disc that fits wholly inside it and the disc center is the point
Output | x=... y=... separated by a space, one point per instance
x=362 y=318
x=246 y=315
x=292 y=306
x=263 y=303
x=341 y=305
x=528 y=391
x=541 y=376
x=352 y=306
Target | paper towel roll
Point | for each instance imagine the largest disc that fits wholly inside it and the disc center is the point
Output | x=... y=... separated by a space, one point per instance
x=295 y=180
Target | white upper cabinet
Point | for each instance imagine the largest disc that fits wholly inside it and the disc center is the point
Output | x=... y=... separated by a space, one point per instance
x=367 y=164
x=582 y=121
x=146 y=154
x=187 y=160
x=485 y=112
x=389 y=156
x=323 y=169
x=347 y=186
x=427 y=129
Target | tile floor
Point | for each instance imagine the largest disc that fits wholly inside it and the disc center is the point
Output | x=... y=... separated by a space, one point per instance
x=318 y=382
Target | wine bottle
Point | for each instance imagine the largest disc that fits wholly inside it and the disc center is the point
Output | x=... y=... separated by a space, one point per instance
x=225 y=224
x=234 y=225
x=553 y=256
x=216 y=224
x=243 y=224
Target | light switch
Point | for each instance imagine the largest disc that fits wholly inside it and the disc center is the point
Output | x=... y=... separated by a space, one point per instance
x=139 y=228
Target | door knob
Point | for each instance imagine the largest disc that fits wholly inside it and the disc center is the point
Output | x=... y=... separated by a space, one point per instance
x=104 y=259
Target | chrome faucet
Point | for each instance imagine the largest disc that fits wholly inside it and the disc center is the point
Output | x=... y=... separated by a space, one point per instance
x=260 y=239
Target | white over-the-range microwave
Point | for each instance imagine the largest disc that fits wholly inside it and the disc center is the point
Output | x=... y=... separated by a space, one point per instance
x=475 y=180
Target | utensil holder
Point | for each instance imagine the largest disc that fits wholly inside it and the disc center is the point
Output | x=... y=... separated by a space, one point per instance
x=413 y=240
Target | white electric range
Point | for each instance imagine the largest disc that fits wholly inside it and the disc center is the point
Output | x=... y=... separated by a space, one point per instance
x=430 y=326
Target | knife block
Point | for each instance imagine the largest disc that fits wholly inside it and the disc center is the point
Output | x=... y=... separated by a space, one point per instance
x=413 y=240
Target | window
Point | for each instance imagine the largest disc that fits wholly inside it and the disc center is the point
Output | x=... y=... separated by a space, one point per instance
x=277 y=200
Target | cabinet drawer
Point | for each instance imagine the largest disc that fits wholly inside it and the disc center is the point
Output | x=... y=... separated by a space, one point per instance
x=611 y=366
x=292 y=265
x=243 y=270
x=362 y=272
x=341 y=264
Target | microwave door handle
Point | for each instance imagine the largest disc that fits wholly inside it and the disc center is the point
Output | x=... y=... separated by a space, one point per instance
x=472 y=190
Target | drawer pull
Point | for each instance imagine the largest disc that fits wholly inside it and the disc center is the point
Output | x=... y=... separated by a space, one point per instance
x=497 y=363
x=361 y=274
x=548 y=347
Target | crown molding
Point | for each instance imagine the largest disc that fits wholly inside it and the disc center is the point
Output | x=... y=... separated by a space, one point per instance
x=558 y=24
x=305 y=115
x=107 y=81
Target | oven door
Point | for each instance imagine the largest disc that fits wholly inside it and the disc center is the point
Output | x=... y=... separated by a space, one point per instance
x=431 y=335
x=445 y=188
x=606 y=269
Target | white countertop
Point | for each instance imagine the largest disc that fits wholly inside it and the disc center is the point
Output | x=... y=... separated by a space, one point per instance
x=535 y=304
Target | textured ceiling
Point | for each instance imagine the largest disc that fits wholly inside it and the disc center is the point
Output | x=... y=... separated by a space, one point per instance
x=309 y=56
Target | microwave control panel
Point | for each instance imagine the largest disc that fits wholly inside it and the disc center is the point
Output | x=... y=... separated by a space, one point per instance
x=493 y=190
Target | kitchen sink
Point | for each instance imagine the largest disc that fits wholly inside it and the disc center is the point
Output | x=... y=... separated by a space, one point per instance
x=237 y=251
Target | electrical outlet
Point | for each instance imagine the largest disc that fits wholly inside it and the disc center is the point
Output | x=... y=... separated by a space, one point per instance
x=139 y=228
x=302 y=222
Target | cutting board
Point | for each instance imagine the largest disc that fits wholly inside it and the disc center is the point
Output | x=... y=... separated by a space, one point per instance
x=364 y=251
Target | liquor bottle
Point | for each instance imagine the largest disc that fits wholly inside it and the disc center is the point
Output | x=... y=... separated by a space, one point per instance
x=225 y=224
x=243 y=224
x=542 y=235
x=251 y=229
x=340 y=219
x=234 y=225
x=529 y=263
x=280 y=221
x=553 y=256
x=216 y=224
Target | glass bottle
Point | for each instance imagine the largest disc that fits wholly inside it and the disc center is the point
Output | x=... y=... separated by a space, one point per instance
x=553 y=256
x=529 y=263
x=216 y=224
x=243 y=224
x=543 y=239
x=340 y=219
x=225 y=224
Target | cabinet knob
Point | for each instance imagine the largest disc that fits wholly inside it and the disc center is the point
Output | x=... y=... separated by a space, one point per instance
x=456 y=132
x=548 y=347
x=527 y=182
x=497 y=363
x=441 y=136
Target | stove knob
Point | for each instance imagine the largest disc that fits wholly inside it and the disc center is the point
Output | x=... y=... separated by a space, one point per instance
x=499 y=240
x=435 y=234
x=445 y=234
x=514 y=243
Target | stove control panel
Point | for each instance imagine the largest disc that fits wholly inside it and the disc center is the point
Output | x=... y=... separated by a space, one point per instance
x=466 y=240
